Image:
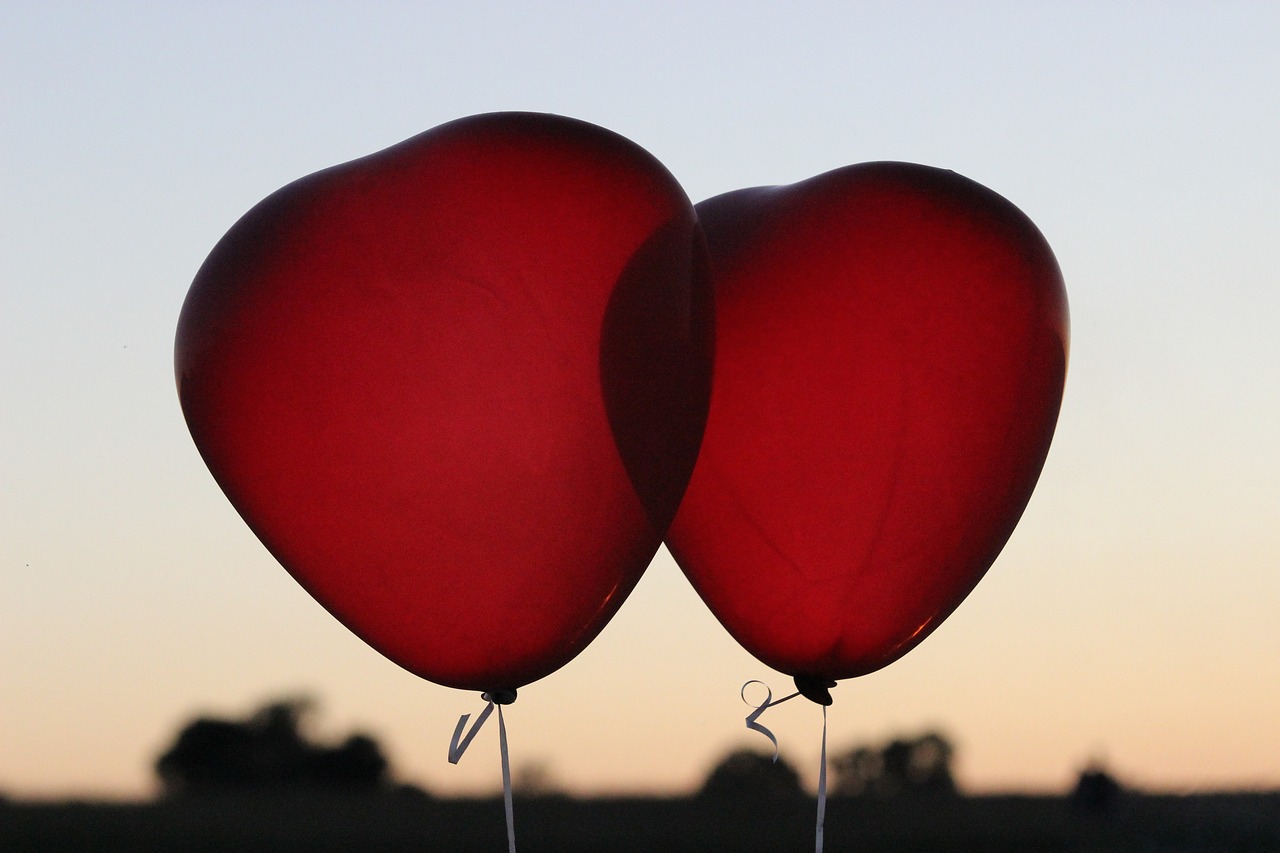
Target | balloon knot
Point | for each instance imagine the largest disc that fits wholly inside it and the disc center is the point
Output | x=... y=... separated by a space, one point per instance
x=499 y=697
x=815 y=688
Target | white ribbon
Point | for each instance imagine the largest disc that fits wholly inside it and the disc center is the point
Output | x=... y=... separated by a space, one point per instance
x=760 y=709
x=822 y=784
x=458 y=745
x=506 y=784
x=822 y=771
x=455 y=748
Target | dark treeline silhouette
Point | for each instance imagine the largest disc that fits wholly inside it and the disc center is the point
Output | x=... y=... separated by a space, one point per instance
x=269 y=786
x=268 y=749
x=900 y=767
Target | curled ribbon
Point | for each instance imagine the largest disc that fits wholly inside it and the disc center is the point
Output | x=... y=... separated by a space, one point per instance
x=760 y=709
x=456 y=748
x=458 y=745
x=758 y=727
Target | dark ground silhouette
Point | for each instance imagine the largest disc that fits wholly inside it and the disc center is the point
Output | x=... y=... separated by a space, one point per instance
x=328 y=822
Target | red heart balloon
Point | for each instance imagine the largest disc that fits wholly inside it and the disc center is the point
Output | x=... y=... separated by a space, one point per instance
x=891 y=347
x=457 y=387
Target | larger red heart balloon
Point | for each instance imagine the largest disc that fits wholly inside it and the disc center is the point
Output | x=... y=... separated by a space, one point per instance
x=891 y=347
x=457 y=387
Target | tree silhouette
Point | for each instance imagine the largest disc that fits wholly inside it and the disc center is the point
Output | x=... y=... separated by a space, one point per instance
x=1096 y=789
x=267 y=750
x=902 y=766
x=749 y=774
x=535 y=779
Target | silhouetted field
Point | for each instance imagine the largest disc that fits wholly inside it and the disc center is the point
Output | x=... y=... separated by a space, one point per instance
x=1240 y=823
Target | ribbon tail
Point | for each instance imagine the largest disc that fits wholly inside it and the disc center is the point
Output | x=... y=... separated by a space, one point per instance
x=455 y=748
x=506 y=782
x=822 y=785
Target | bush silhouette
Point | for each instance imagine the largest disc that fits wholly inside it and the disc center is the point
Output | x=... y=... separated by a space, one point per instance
x=748 y=774
x=267 y=750
x=1096 y=790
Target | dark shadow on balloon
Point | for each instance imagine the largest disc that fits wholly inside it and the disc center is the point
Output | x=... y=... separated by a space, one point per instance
x=656 y=349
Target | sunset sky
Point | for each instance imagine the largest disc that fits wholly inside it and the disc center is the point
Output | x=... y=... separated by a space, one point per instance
x=1132 y=618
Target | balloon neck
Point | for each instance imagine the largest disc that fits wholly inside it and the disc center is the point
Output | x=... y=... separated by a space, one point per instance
x=815 y=688
x=499 y=697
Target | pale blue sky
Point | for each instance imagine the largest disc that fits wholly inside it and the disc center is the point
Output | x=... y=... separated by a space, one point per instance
x=1133 y=614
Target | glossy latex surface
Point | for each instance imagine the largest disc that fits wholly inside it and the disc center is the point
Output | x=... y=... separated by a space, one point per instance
x=891 y=348
x=457 y=387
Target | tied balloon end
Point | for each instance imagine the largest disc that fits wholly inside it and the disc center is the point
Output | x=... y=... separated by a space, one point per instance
x=499 y=697
x=815 y=688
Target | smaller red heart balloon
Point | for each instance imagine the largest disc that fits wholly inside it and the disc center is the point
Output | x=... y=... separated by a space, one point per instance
x=891 y=347
x=457 y=387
